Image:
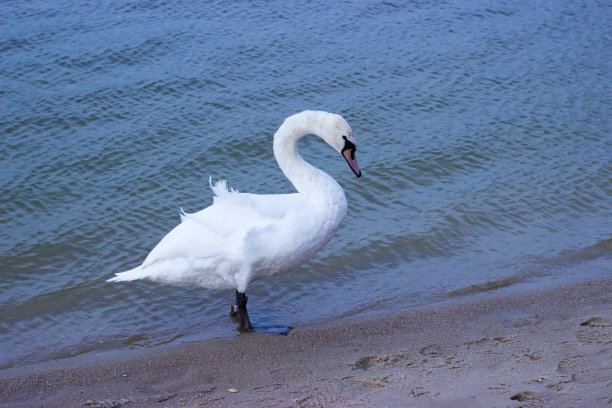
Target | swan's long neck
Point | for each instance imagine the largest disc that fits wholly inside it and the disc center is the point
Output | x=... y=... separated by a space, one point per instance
x=315 y=185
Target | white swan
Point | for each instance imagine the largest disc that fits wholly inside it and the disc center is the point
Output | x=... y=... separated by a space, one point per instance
x=244 y=237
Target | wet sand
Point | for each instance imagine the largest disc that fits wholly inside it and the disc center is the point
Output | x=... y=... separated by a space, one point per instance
x=550 y=348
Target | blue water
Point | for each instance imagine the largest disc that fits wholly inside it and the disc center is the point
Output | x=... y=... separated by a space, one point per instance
x=483 y=131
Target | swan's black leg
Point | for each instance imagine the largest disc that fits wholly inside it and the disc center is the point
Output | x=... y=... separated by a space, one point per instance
x=241 y=302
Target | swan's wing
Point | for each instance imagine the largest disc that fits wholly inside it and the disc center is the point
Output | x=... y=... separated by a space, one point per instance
x=215 y=236
x=275 y=205
x=272 y=205
x=211 y=247
x=233 y=212
x=191 y=254
x=188 y=240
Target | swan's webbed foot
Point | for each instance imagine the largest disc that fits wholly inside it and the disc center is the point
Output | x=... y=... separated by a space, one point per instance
x=241 y=310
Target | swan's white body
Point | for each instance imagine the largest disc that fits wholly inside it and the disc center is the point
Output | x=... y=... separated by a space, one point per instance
x=244 y=237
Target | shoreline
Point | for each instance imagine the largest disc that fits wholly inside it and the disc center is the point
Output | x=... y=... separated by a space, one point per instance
x=547 y=348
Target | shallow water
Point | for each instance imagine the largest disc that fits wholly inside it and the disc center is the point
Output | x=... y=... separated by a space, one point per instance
x=483 y=133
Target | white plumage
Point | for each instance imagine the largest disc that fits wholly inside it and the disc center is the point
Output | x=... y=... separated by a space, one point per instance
x=243 y=237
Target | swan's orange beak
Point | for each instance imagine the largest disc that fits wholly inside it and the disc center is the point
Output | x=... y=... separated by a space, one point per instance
x=348 y=152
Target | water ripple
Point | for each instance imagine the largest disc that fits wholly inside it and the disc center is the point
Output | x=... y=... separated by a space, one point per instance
x=483 y=134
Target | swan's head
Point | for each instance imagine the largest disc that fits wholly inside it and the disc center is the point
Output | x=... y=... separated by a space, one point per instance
x=329 y=126
x=339 y=135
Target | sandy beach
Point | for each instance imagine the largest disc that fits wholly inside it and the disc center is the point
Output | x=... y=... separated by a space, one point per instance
x=551 y=348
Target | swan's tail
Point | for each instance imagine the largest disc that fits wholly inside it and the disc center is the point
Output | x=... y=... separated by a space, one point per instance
x=130 y=275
